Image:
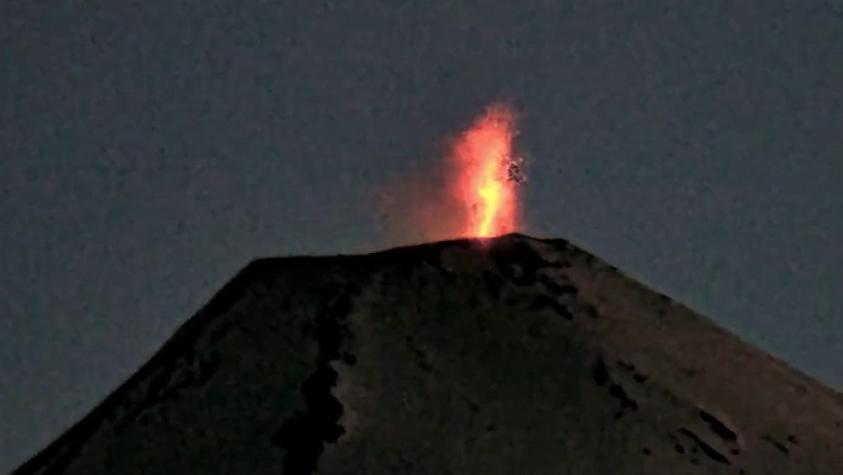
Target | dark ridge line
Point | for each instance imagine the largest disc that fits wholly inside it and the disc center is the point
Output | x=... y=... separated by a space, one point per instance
x=60 y=453
x=428 y=247
x=304 y=435
x=62 y=450
x=718 y=427
x=707 y=449
x=504 y=243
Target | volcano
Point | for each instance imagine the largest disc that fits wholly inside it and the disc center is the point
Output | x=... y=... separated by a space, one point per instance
x=510 y=355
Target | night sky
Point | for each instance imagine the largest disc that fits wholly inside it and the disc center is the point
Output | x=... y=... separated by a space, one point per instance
x=150 y=149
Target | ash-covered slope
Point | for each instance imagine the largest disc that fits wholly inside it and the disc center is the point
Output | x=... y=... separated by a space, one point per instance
x=515 y=356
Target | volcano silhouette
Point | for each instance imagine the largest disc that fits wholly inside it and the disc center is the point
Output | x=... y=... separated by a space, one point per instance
x=505 y=356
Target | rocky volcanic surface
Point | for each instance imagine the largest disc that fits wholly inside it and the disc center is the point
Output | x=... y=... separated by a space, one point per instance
x=509 y=356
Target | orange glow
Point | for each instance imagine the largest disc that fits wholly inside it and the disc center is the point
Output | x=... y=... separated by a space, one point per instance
x=486 y=174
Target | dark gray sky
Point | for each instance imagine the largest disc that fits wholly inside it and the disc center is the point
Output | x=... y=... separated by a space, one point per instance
x=150 y=149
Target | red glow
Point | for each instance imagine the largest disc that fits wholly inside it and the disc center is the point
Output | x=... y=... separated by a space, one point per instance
x=485 y=186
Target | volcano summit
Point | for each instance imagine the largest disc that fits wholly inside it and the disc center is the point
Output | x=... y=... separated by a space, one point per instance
x=503 y=356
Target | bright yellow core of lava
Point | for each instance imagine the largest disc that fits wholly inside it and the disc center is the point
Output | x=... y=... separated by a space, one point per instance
x=484 y=186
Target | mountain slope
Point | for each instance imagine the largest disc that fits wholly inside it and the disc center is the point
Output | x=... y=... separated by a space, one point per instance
x=513 y=355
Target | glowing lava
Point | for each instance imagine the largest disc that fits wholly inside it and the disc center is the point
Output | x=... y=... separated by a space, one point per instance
x=487 y=174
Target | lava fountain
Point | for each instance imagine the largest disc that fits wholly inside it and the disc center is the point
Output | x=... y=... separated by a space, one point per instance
x=487 y=174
